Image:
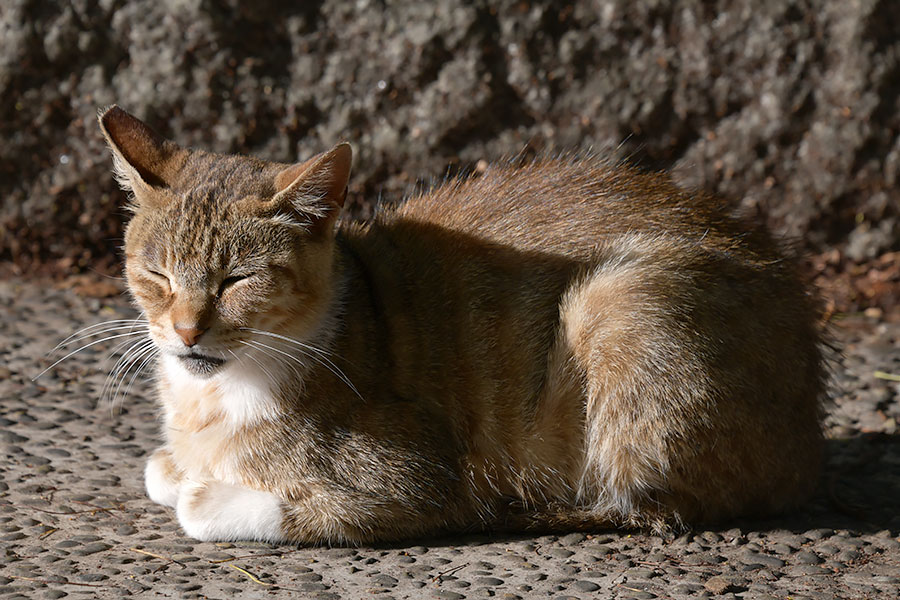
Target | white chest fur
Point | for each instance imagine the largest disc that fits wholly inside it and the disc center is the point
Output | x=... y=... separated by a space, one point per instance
x=243 y=397
x=207 y=419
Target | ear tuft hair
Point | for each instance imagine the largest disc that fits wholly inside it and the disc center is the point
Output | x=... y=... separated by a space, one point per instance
x=315 y=190
x=142 y=158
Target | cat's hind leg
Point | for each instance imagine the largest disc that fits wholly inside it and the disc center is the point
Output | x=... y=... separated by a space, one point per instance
x=216 y=511
x=162 y=478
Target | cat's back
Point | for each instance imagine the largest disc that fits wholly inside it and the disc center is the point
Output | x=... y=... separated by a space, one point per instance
x=570 y=206
x=687 y=327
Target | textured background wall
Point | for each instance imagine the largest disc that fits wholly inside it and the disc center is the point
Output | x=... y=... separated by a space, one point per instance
x=788 y=106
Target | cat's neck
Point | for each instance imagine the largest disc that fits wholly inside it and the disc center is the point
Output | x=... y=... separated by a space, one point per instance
x=238 y=396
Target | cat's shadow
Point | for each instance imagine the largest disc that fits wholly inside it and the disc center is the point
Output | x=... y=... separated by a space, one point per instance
x=859 y=491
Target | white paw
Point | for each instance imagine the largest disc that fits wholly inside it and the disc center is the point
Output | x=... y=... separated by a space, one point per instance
x=215 y=511
x=161 y=478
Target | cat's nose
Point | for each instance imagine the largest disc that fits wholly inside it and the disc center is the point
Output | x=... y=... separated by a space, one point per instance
x=189 y=334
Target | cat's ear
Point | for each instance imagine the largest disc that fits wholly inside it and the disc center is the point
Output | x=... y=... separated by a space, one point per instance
x=143 y=159
x=315 y=190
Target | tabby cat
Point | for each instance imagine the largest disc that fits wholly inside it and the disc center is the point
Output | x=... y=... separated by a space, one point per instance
x=568 y=344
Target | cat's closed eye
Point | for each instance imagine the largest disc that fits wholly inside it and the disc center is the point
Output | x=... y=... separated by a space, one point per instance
x=160 y=279
x=231 y=280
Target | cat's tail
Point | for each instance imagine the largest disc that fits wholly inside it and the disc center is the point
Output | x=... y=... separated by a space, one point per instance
x=702 y=381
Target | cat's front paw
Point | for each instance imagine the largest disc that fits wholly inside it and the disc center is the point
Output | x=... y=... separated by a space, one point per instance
x=162 y=478
x=215 y=511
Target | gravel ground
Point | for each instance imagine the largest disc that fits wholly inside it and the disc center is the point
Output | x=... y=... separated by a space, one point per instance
x=74 y=520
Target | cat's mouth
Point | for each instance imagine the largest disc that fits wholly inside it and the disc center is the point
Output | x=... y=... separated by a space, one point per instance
x=200 y=364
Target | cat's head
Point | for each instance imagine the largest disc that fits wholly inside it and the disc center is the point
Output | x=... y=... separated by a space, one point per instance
x=220 y=245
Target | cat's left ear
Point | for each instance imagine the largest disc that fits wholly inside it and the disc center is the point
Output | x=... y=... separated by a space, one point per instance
x=145 y=162
x=315 y=190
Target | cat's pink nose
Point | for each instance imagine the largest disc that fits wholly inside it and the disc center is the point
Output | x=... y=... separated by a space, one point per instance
x=189 y=334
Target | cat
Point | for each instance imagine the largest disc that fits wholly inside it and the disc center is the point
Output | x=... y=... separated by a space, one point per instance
x=570 y=344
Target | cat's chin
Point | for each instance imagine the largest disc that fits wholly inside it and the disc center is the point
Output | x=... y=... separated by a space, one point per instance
x=200 y=365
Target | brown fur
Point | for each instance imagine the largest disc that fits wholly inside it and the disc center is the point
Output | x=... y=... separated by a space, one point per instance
x=566 y=344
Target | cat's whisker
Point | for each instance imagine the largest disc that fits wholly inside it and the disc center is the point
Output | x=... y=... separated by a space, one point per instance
x=306 y=348
x=132 y=325
x=104 y=332
x=117 y=349
x=236 y=357
x=112 y=325
x=136 y=356
x=328 y=365
x=122 y=367
x=262 y=348
x=103 y=324
x=133 y=345
x=85 y=347
x=152 y=354
x=297 y=366
x=120 y=353
x=307 y=351
x=262 y=367
x=285 y=338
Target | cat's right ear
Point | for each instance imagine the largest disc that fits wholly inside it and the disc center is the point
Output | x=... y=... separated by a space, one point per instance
x=144 y=161
x=315 y=190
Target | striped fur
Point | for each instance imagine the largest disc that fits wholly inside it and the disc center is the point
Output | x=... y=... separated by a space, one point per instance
x=565 y=344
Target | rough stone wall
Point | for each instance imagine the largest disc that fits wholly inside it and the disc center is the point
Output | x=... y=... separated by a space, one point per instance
x=788 y=106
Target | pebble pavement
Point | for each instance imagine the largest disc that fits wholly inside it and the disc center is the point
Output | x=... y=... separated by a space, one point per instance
x=74 y=521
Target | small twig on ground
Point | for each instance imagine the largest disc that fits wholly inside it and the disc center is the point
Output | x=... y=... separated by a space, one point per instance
x=48 y=533
x=255 y=579
x=49 y=497
x=886 y=376
x=440 y=576
x=100 y=508
x=165 y=558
